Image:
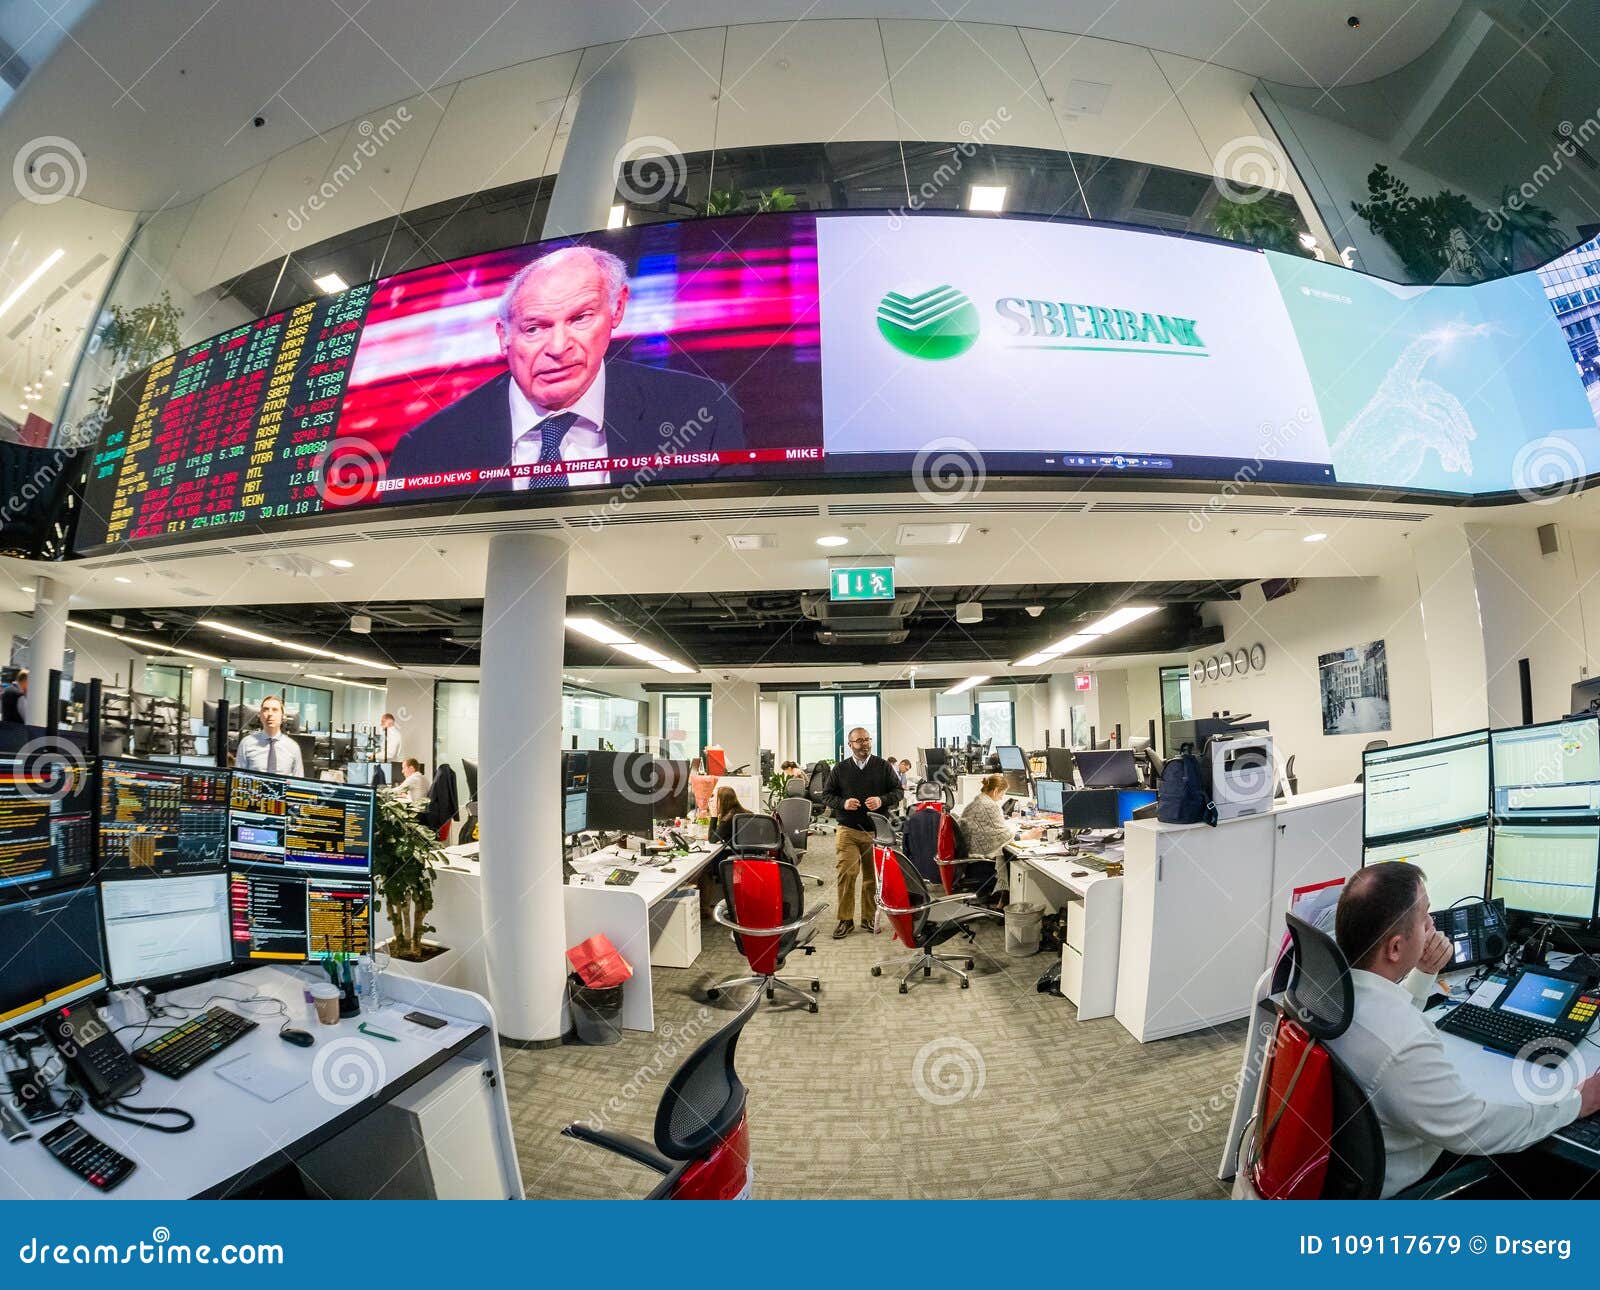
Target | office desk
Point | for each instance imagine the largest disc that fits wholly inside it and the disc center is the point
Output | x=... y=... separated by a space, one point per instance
x=1045 y=874
x=623 y=914
x=238 y=1139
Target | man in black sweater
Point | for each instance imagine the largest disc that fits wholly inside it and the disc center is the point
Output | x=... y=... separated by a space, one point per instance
x=860 y=784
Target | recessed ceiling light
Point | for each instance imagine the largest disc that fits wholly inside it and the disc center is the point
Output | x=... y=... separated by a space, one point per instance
x=961 y=687
x=1316 y=537
x=120 y=578
x=245 y=634
x=343 y=564
x=986 y=197
x=833 y=539
x=618 y=216
x=329 y=283
x=595 y=630
x=23 y=287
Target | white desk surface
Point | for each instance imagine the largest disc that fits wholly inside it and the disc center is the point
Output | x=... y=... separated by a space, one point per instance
x=236 y=1131
x=653 y=883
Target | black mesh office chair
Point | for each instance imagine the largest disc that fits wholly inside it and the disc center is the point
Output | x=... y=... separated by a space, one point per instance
x=794 y=818
x=702 y=1139
x=764 y=906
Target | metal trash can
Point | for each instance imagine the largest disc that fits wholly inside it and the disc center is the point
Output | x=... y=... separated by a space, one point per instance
x=596 y=1012
x=1022 y=929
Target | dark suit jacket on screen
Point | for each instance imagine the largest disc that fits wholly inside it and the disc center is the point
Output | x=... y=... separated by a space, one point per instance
x=474 y=432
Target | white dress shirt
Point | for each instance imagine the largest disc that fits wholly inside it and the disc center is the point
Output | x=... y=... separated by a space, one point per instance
x=1421 y=1102
x=391 y=743
x=414 y=787
x=585 y=438
x=253 y=751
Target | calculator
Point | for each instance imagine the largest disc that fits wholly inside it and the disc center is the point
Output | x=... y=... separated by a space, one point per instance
x=84 y=1154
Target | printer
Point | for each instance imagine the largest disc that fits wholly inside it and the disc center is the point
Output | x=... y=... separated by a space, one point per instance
x=1241 y=773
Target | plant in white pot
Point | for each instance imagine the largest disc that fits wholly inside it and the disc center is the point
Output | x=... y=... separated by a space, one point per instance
x=404 y=853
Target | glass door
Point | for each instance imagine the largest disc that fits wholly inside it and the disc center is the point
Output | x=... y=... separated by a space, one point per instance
x=685 y=724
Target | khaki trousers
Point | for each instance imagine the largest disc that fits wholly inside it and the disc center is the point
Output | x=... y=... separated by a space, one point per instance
x=853 y=848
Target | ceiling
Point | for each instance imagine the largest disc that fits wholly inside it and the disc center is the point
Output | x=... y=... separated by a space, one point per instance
x=159 y=99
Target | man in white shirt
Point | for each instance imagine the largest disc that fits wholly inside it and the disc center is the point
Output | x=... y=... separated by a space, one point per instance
x=1393 y=1051
x=388 y=738
x=413 y=785
x=269 y=748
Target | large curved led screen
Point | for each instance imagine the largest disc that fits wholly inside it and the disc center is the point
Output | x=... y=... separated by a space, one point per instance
x=749 y=349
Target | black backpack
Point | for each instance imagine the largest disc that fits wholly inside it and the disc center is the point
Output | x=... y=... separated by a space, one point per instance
x=1183 y=798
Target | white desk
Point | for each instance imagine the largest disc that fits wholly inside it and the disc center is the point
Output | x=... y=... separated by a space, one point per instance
x=238 y=1139
x=1093 y=934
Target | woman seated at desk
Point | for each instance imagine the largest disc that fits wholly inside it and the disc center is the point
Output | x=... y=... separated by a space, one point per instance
x=727 y=806
x=986 y=827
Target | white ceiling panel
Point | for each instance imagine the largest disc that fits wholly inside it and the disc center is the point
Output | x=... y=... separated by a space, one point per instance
x=376 y=161
x=262 y=231
x=1214 y=100
x=951 y=78
x=807 y=82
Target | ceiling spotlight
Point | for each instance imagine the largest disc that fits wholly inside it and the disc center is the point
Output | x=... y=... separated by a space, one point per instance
x=342 y=564
x=1034 y=611
x=1315 y=537
x=618 y=216
x=361 y=624
x=49 y=371
x=986 y=197
x=120 y=578
x=329 y=283
x=832 y=539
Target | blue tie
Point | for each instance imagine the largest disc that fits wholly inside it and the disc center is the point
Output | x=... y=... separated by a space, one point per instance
x=552 y=430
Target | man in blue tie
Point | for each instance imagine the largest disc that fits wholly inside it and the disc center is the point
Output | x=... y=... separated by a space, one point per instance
x=560 y=401
x=269 y=749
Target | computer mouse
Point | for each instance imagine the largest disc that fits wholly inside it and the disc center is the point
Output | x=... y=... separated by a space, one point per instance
x=299 y=1038
x=669 y=868
x=1080 y=873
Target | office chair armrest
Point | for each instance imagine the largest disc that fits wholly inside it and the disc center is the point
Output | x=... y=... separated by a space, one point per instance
x=962 y=896
x=721 y=915
x=629 y=1148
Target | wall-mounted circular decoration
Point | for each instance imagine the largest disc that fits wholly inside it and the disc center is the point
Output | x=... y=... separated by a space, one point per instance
x=1241 y=661
x=1213 y=668
x=1225 y=663
x=1258 y=656
x=1197 y=671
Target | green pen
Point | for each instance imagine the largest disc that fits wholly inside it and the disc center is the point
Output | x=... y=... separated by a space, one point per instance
x=376 y=1034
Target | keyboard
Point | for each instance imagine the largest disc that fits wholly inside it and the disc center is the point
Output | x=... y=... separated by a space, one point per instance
x=1582 y=1133
x=1508 y=1032
x=197 y=1040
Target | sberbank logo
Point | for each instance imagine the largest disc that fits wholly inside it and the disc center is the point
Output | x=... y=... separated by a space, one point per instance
x=938 y=323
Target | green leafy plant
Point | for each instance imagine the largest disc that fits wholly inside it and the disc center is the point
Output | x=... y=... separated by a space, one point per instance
x=133 y=338
x=730 y=201
x=776 y=200
x=1431 y=235
x=1257 y=222
x=723 y=201
x=404 y=853
x=1520 y=226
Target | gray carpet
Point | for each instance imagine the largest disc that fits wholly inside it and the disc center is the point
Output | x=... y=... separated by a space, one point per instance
x=994 y=1091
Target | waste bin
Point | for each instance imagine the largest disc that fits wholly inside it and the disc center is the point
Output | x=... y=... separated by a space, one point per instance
x=1022 y=929
x=596 y=1011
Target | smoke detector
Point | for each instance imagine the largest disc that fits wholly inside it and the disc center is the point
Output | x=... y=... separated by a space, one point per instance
x=361 y=624
x=970 y=612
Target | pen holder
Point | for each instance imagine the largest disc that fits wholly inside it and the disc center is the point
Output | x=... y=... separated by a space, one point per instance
x=349 y=1004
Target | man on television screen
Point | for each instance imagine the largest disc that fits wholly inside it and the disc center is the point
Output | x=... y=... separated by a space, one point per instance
x=560 y=399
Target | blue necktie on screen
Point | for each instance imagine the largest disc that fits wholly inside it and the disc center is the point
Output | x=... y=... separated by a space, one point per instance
x=552 y=430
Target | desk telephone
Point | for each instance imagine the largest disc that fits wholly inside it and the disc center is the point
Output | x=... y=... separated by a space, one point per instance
x=99 y=1064
x=1476 y=932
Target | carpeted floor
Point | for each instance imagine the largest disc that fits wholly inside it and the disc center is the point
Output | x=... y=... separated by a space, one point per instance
x=994 y=1091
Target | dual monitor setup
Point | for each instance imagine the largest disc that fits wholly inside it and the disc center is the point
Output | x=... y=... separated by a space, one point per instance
x=156 y=874
x=623 y=792
x=1112 y=787
x=1510 y=815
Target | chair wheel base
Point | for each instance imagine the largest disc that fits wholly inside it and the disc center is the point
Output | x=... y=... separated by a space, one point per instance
x=877 y=971
x=813 y=1007
x=713 y=993
x=927 y=971
x=816 y=988
x=966 y=985
x=969 y=965
x=904 y=988
x=770 y=992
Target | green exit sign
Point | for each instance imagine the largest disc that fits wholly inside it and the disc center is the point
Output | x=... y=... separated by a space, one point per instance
x=876 y=583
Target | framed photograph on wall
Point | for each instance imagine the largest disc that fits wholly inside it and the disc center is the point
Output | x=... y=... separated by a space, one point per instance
x=1355 y=690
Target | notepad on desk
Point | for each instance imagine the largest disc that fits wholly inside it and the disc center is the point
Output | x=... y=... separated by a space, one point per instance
x=261 y=1078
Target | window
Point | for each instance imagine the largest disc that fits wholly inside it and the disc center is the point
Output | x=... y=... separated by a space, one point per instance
x=1175 y=704
x=947 y=727
x=825 y=719
x=996 y=722
x=686 y=724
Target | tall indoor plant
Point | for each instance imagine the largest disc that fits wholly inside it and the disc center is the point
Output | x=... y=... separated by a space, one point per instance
x=405 y=852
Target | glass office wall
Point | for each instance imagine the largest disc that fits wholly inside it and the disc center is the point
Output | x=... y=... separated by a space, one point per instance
x=455 y=726
x=1175 y=704
x=685 y=724
x=825 y=719
x=305 y=707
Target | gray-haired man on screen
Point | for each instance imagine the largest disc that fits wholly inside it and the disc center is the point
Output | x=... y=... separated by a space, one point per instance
x=560 y=399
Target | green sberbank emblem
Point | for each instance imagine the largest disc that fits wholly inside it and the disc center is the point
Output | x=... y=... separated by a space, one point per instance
x=937 y=323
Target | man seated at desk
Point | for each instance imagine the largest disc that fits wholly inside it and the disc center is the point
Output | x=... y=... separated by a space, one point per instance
x=1423 y=1105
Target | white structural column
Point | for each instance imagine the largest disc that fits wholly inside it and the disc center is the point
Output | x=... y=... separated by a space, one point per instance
x=47 y=644
x=519 y=784
x=586 y=188
x=1452 y=627
x=736 y=722
x=1058 y=714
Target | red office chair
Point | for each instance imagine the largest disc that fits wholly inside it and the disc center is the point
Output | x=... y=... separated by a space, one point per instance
x=919 y=920
x=1314 y=1135
x=702 y=1137
x=764 y=906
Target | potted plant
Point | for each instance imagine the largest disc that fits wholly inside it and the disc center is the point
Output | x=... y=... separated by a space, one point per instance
x=134 y=338
x=404 y=853
x=1433 y=236
x=1258 y=222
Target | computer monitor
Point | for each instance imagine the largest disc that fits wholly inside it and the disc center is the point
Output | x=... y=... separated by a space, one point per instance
x=358 y=772
x=279 y=915
x=617 y=812
x=1017 y=783
x=160 y=932
x=1047 y=795
x=27 y=859
x=52 y=954
x=934 y=760
x=575 y=815
x=1435 y=784
x=157 y=818
x=670 y=800
x=1548 y=870
x=1091 y=808
x=1455 y=864
x=469 y=767
x=1058 y=765
x=1549 y=771
x=1130 y=800
x=1011 y=757
x=303 y=824
x=1112 y=768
